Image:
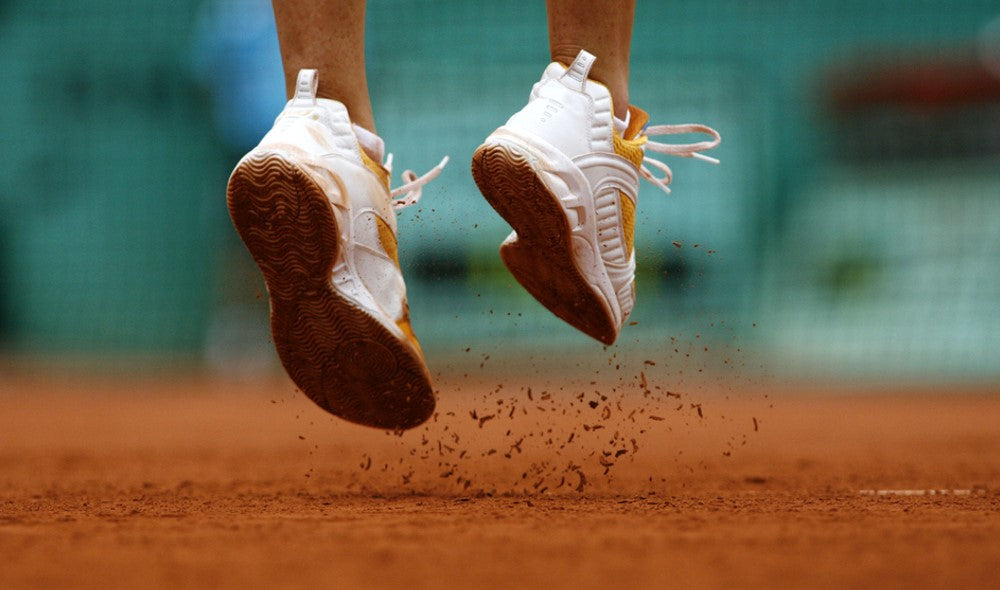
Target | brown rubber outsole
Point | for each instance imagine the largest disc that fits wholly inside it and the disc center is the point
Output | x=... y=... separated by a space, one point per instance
x=541 y=260
x=334 y=351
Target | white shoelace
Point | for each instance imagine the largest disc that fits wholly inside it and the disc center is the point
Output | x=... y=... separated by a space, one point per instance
x=413 y=186
x=411 y=190
x=683 y=150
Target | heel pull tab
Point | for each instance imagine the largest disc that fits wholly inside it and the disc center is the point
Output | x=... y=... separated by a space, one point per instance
x=305 y=88
x=579 y=70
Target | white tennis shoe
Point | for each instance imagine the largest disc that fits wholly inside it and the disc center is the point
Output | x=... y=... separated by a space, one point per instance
x=565 y=175
x=314 y=208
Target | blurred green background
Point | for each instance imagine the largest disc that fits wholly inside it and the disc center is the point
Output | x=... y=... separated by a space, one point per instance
x=852 y=230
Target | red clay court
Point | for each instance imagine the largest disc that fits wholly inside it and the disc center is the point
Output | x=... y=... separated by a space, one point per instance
x=846 y=247
x=196 y=482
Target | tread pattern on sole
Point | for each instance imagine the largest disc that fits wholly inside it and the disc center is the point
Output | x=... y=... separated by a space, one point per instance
x=542 y=257
x=333 y=350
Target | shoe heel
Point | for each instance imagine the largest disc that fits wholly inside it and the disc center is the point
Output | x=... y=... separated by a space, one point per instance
x=541 y=259
x=334 y=351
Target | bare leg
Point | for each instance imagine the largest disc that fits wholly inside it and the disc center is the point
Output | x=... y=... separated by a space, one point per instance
x=602 y=27
x=328 y=35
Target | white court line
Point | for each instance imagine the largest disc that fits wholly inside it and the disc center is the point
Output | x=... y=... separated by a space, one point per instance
x=961 y=492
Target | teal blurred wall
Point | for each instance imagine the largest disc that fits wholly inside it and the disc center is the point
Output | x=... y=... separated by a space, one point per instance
x=107 y=173
x=821 y=256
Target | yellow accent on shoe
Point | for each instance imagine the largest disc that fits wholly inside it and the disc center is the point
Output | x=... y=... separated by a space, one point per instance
x=629 y=145
x=380 y=172
x=388 y=240
x=391 y=247
x=404 y=325
x=630 y=148
x=628 y=221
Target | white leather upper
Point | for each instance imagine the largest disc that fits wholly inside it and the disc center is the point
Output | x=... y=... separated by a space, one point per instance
x=574 y=117
x=568 y=125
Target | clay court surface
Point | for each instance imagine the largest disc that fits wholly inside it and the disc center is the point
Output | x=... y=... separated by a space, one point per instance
x=186 y=482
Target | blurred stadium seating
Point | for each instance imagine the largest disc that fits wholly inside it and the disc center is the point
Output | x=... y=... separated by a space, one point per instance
x=855 y=220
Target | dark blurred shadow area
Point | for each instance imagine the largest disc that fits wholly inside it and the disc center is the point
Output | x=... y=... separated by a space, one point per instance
x=851 y=232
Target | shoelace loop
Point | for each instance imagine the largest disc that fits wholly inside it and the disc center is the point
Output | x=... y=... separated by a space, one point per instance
x=683 y=150
x=413 y=186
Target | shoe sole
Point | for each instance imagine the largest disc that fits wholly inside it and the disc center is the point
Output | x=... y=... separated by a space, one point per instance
x=335 y=352
x=542 y=257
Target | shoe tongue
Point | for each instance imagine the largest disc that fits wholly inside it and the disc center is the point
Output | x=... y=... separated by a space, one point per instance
x=637 y=120
x=371 y=143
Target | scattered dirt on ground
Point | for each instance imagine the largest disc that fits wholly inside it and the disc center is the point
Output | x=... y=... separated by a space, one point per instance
x=611 y=482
